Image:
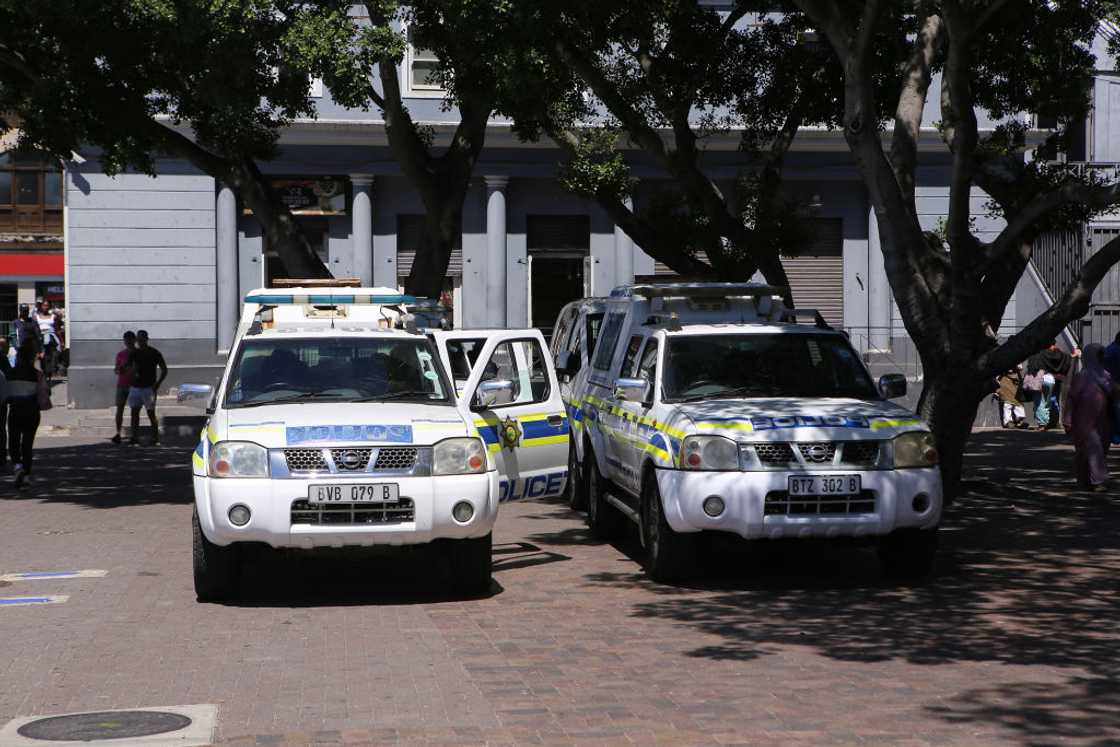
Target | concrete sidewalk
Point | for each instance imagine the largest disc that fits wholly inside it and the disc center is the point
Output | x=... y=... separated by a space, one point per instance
x=176 y=421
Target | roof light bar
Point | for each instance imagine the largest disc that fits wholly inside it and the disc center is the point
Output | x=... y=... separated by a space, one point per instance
x=328 y=299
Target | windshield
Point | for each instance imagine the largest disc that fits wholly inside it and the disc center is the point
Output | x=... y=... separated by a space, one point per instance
x=763 y=365
x=312 y=369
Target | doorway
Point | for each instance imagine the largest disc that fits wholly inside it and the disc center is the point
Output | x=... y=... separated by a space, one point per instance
x=558 y=246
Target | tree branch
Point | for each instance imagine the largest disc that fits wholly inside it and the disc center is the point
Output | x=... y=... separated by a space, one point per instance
x=912 y=102
x=1073 y=305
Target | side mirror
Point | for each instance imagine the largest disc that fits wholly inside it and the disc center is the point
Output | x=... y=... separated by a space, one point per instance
x=195 y=395
x=567 y=363
x=633 y=390
x=494 y=392
x=892 y=386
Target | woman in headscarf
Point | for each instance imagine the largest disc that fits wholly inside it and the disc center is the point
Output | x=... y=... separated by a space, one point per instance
x=1087 y=418
x=1054 y=365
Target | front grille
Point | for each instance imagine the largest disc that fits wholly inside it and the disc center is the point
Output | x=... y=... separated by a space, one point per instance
x=305 y=460
x=779 y=503
x=396 y=457
x=817 y=452
x=351 y=460
x=860 y=453
x=350 y=514
x=777 y=452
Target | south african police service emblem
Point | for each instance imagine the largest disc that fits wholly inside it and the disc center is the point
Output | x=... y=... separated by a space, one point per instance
x=510 y=433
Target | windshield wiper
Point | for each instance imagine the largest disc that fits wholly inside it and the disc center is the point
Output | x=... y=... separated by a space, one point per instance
x=301 y=397
x=409 y=394
x=725 y=394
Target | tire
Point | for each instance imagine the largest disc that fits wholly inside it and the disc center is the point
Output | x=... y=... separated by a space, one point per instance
x=907 y=555
x=669 y=554
x=605 y=522
x=217 y=569
x=471 y=563
x=577 y=496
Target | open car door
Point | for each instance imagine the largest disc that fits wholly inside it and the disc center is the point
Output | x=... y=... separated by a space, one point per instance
x=512 y=396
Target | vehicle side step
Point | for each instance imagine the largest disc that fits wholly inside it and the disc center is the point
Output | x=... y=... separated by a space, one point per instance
x=626 y=510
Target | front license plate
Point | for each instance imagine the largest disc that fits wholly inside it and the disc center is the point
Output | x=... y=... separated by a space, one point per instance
x=824 y=484
x=378 y=492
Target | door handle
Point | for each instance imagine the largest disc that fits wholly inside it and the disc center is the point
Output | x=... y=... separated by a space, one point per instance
x=556 y=420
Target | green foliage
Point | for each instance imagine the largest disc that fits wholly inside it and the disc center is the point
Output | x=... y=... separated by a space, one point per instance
x=596 y=170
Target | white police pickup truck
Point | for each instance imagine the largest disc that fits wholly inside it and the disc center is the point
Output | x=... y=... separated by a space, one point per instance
x=713 y=407
x=332 y=426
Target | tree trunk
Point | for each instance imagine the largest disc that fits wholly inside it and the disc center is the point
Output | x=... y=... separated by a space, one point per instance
x=285 y=236
x=442 y=229
x=948 y=403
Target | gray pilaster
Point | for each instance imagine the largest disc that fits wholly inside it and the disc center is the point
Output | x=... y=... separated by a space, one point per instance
x=229 y=302
x=361 y=231
x=878 y=289
x=496 y=249
x=624 y=253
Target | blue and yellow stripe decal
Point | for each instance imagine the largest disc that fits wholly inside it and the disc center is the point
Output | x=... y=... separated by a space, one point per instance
x=198 y=459
x=535 y=430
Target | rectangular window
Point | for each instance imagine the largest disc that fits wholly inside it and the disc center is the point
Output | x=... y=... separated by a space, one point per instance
x=423 y=65
x=521 y=362
x=631 y=355
x=612 y=328
x=27 y=188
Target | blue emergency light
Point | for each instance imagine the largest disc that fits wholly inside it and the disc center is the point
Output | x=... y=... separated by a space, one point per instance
x=328 y=299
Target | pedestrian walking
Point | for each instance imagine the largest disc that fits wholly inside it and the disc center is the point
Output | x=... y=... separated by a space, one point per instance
x=50 y=332
x=28 y=396
x=1009 y=394
x=1088 y=418
x=25 y=330
x=1046 y=371
x=148 y=372
x=124 y=379
x=1112 y=365
x=5 y=373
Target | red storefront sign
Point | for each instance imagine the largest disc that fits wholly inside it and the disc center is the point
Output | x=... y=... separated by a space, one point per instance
x=31 y=265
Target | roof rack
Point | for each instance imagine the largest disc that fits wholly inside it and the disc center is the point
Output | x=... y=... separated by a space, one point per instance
x=697 y=290
x=805 y=316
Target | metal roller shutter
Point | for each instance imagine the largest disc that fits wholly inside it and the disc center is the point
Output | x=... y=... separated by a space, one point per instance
x=816 y=275
x=409 y=230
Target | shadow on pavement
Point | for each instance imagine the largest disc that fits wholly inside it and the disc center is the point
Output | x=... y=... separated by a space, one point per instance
x=1027 y=576
x=107 y=475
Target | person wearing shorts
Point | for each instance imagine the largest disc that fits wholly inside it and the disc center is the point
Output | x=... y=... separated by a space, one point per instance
x=124 y=379
x=148 y=372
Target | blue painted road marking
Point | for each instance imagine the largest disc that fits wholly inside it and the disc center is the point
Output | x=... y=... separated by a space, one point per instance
x=19 y=601
x=35 y=575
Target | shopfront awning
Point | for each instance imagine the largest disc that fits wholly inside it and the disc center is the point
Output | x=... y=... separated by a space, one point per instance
x=31 y=265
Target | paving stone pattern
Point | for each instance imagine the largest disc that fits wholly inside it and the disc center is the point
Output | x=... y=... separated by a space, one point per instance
x=1015 y=642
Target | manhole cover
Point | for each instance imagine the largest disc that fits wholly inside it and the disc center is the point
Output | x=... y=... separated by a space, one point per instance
x=87 y=727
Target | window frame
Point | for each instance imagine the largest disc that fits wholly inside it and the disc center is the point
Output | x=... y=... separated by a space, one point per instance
x=410 y=59
x=39 y=217
x=545 y=396
x=609 y=337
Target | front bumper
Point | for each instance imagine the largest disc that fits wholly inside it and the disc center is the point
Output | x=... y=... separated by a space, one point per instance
x=744 y=493
x=270 y=501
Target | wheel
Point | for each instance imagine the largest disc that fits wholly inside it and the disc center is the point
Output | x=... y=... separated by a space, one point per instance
x=605 y=522
x=577 y=496
x=907 y=554
x=669 y=554
x=216 y=568
x=470 y=561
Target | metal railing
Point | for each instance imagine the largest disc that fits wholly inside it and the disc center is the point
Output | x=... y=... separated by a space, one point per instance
x=1057 y=257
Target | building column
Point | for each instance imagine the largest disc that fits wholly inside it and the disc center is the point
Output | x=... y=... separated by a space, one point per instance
x=624 y=252
x=361 y=227
x=229 y=300
x=878 y=289
x=496 y=249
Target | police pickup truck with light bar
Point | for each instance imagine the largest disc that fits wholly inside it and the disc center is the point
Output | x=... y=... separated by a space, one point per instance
x=335 y=424
x=714 y=407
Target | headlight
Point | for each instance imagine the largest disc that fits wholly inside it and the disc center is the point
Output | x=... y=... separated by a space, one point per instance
x=458 y=456
x=916 y=449
x=709 y=453
x=238 y=459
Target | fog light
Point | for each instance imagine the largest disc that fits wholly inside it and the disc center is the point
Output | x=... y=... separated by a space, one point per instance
x=239 y=515
x=713 y=505
x=462 y=511
x=921 y=503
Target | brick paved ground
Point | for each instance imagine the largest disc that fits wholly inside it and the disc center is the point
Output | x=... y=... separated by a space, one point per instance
x=1016 y=642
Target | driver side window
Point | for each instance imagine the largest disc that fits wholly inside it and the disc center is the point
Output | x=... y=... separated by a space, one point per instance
x=647 y=365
